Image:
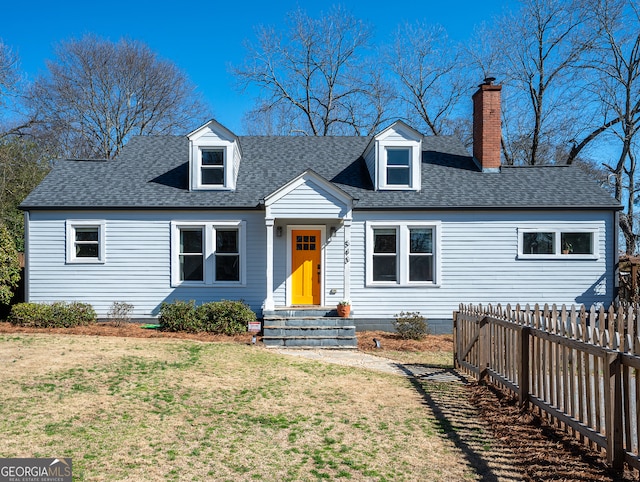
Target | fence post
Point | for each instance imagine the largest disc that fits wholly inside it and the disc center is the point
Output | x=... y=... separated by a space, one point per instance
x=613 y=411
x=483 y=348
x=523 y=366
x=456 y=349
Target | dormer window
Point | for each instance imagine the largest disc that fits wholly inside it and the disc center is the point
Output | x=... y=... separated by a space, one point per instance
x=394 y=158
x=214 y=158
x=398 y=166
x=212 y=167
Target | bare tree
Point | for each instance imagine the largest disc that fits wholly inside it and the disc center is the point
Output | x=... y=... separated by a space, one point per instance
x=541 y=51
x=315 y=79
x=11 y=122
x=428 y=70
x=618 y=87
x=97 y=93
x=8 y=70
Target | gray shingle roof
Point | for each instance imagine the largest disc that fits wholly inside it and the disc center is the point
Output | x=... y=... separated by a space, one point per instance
x=151 y=172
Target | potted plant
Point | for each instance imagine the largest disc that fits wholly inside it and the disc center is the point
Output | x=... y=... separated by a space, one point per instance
x=344 y=308
x=567 y=248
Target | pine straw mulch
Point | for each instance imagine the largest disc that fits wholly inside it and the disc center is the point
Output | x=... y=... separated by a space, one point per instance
x=545 y=452
x=390 y=341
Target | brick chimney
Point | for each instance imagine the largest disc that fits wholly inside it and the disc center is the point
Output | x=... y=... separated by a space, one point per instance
x=486 y=126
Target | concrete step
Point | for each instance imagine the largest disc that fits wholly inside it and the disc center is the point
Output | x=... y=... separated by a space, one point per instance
x=311 y=328
x=345 y=342
x=309 y=331
x=316 y=312
x=311 y=321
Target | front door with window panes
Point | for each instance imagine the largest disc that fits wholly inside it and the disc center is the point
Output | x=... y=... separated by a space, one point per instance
x=305 y=267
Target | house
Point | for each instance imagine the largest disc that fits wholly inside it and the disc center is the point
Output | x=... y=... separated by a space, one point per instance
x=394 y=222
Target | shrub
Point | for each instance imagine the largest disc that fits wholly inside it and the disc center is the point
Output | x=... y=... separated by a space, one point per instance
x=225 y=317
x=56 y=315
x=219 y=317
x=30 y=314
x=120 y=312
x=9 y=266
x=179 y=316
x=411 y=325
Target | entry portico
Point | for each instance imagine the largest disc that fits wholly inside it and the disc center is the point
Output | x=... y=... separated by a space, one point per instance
x=314 y=213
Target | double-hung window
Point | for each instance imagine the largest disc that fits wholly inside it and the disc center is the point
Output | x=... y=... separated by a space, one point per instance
x=212 y=167
x=420 y=254
x=85 y=241
x=553 y=242
x=385 y=254
x=191 y=253
x=208 y=253
x=398 y=166
x=401 y=254
x=227 y=257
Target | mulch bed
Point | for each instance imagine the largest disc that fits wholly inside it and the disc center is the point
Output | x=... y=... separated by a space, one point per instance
x=389 y=341
x=546 y=452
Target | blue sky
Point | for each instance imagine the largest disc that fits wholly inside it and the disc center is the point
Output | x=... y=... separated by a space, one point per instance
x=204 y=38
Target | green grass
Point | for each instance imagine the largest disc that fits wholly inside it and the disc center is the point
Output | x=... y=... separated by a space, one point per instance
x=183 y=410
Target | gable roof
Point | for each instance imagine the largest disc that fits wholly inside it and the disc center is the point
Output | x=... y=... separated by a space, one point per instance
x=152 y=172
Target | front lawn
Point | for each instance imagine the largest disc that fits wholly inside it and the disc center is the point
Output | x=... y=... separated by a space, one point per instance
x=168 y=409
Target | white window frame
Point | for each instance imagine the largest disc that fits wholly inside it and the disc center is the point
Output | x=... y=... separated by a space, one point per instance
x=413 y=166
x=71 y=226
x=209 y=246
x=409 y=167
x=179 y=253
x=226 y=167
x=202 y=166
x=557 y=232
x=403 y=243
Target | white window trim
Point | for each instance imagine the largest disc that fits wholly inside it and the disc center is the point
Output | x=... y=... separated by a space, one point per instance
x=209 y=243
x=557 y=244
x=227 y=167
x=71 y=225
x=403 y=247
x=414 y=165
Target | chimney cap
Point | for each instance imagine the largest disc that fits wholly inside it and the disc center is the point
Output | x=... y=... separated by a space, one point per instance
x=488 y=80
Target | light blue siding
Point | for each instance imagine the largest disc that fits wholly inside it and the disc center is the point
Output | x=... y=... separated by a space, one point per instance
x=477 y=254
x=308 y=200
x=138 y=262
x=479 y=264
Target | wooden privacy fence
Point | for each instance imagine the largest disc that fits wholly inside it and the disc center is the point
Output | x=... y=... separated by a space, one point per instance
x=581 y=368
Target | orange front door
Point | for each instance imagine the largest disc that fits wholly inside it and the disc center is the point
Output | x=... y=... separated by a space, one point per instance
x=305 y=267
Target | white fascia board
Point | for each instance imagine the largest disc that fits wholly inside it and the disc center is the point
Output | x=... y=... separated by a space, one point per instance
x=309 y=175
x=215 y=127
x=403 y=129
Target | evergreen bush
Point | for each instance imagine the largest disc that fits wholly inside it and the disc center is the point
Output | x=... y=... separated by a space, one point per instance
x=225 y=317
x=55 y=315
x=9 y=266
x=219 y=317
x=179 y=315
